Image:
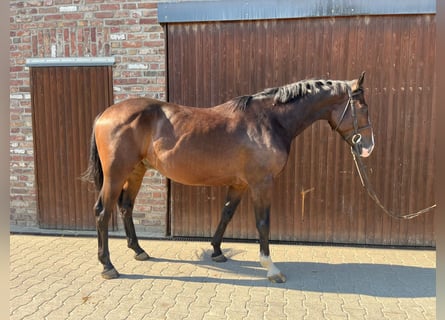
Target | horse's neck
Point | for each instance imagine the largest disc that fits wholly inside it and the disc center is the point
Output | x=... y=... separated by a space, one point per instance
x=302 y=113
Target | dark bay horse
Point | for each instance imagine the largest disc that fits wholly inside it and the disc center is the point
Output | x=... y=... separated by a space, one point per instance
x=243 y=143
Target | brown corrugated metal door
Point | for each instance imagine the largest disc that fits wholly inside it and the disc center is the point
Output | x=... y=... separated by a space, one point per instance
x=65 y=102
x=319 y=196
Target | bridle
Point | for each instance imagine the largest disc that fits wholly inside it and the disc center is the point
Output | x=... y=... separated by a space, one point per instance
x=356 y=138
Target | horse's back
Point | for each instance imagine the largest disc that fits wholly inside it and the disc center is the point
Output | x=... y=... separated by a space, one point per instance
x=128 y=109
x=132 y=117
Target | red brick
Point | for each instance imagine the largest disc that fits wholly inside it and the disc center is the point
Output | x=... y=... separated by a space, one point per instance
x=115 y=22
x=147 y=5
x=106 y=7
x=129 y=6
x=15 y=68
x=72 y=16
x=46 y=10
x=131 y=44
x=93 y=34
x=53 y=17
x=94 y=50
x=125 y=81
x=148 y=20
x=104 y=15
x=154 y=43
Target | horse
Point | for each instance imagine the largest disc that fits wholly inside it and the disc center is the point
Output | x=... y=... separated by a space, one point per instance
x=243 y=144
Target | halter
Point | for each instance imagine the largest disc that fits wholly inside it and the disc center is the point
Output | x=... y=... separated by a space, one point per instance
x=355 y=136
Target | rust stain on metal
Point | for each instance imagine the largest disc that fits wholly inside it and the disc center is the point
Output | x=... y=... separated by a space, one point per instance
x=303 y=195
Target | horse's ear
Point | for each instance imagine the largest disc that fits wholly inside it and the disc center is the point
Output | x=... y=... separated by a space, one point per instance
x=361 y=79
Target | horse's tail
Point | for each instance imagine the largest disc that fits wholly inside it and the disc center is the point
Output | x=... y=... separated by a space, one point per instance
x=94 y=173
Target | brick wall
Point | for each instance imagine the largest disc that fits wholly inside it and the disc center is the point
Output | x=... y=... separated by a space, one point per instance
x=127 y=30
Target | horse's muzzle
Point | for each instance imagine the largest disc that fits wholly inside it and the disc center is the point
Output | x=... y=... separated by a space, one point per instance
x=366 y=152
x=362 y=145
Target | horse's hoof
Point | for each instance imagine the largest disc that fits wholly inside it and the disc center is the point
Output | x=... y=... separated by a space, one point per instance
x=277 y=278
x=220 y=258
x=142 y=256
x=110 y=274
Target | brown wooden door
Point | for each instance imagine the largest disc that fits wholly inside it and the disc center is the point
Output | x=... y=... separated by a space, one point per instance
x=319 y=197
x=65 y=102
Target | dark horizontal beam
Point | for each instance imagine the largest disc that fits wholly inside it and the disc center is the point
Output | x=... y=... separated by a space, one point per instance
x=232 y=10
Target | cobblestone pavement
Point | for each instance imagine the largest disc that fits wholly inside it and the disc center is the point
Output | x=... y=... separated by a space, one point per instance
x=54 y=277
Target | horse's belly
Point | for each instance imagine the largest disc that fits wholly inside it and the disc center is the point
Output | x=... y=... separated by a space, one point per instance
x=213 y=161
x=193 y=168
x=199 y=176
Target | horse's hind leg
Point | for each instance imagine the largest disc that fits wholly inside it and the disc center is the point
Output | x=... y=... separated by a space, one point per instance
x=104 y=207
x=232 y=200
x=126 y=204
x=116 y=171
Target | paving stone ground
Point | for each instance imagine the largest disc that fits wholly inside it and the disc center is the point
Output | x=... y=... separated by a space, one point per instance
x=56 y=277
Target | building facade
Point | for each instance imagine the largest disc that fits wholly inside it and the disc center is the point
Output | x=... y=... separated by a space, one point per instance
x=126 y=30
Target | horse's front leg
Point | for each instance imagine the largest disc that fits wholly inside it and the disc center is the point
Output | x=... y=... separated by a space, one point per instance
x=262 y=201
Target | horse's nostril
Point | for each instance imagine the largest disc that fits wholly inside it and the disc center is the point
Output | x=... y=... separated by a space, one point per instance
x=366 y=152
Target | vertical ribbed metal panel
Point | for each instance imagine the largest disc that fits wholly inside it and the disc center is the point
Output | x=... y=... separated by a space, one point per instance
x=65 y=102
x=319 y=197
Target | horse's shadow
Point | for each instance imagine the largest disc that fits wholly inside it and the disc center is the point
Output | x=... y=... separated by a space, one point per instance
x=380 y=280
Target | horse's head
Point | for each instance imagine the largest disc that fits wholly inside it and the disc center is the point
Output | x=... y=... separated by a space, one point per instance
x=352 y=122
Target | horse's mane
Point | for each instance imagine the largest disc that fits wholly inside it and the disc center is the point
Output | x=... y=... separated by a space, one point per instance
x=292 y=91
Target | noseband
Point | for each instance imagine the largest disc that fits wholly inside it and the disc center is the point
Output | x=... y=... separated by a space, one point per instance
x=355 y=135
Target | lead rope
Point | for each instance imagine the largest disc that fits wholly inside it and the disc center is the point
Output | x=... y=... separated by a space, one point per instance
x=365 y=182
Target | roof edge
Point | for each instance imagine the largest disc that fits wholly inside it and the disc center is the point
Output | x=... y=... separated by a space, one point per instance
x=235 y=10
